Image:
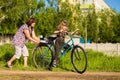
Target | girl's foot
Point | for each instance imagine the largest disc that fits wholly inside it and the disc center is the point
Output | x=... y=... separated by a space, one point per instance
x=54 y=63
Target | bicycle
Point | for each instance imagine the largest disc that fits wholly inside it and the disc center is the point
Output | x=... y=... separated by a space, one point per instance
x=43 y=54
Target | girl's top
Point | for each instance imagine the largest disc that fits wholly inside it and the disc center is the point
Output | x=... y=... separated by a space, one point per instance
x=61 y=34
x=19 y=38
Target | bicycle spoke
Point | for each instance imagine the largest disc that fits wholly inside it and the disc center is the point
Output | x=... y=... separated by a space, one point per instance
x=77 y=55
x=79 y=59
x=42 y=56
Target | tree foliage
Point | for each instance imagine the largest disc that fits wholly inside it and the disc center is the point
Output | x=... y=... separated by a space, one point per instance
x=102 y=26
x=15 y=12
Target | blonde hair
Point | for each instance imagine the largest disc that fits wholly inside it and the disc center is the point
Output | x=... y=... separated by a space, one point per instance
x=63 y=23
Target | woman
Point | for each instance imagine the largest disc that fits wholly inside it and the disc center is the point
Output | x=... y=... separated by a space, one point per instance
x=59 y=42
x=24 y=33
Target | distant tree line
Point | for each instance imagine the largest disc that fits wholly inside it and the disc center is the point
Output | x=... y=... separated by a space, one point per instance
x=102 y=26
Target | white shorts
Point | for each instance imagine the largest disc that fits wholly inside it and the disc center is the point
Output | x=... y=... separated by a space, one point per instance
x=21 y=51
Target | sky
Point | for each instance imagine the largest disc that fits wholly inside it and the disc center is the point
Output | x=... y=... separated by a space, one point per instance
x=114 y=4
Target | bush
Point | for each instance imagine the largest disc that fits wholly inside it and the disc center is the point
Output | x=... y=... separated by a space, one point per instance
x=97 y=61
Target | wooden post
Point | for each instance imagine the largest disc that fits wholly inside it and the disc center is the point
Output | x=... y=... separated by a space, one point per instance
x=118 y=49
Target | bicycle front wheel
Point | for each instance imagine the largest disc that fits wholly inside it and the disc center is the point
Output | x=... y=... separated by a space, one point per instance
x=42 y=56
x=79 y=59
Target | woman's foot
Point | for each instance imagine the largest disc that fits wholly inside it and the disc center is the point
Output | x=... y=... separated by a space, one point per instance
x=9 y=65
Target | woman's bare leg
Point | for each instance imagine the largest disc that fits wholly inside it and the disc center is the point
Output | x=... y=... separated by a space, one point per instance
x=25 y=61
x=10 y=61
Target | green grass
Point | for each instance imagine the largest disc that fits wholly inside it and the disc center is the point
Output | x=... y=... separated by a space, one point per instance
x=97 y=61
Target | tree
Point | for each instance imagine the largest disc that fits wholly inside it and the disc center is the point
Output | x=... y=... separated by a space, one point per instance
x=16 y=12
x=13 y=13
x=46 y=20
x=115 y=23
x=92 y=25
x=106 y=30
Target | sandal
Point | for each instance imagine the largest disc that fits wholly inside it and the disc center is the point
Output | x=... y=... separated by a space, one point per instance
x=9 y=65
x=54 y=65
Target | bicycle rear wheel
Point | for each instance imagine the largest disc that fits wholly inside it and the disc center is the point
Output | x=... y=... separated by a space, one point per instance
x=79 y=59
x=42 y=56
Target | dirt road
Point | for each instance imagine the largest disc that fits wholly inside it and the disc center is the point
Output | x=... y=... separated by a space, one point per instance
x=49 y=75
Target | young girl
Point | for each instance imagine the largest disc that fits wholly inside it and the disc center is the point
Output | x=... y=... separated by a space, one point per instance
x=59 y=42
x=24 y=33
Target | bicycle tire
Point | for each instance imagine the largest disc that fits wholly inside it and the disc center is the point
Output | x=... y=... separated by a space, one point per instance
x=43 y=56
x=79 y=59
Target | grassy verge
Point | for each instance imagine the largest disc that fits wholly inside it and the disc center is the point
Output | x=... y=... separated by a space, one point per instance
x=97 y=61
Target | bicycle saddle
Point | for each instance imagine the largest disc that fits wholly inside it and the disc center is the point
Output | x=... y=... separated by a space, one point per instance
x=52 y=37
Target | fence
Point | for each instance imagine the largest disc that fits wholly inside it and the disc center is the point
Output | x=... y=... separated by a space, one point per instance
x=107 y=48
x=5 y=39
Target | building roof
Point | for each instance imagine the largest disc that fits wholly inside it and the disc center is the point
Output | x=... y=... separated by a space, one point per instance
x=99 y=4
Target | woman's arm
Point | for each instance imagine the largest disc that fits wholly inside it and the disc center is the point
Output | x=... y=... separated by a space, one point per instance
x=27 y=34
x=34 y=36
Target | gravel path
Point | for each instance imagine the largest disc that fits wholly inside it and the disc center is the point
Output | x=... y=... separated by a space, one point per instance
x=49 y=75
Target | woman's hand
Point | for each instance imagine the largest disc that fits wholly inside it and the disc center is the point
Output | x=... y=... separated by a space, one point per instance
x=37 y=42
x=27 y=34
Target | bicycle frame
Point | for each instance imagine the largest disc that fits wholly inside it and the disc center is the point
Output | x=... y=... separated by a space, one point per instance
x=65 y=44
x=47 y=51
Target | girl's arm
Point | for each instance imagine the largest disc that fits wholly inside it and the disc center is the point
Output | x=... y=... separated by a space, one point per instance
x=56 y=32
x=74 y=31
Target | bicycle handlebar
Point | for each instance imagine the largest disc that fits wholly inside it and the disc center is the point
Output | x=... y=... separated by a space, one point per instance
x=53 y=37
x=74 y=31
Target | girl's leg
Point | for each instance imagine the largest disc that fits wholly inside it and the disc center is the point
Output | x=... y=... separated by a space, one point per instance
x=57 y=50
x=58 y=44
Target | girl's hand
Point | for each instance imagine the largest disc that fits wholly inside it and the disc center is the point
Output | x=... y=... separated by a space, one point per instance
x=75 y=31
x=56 y=32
